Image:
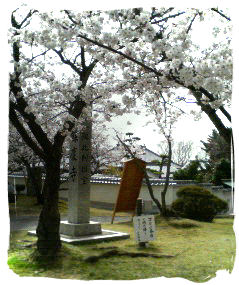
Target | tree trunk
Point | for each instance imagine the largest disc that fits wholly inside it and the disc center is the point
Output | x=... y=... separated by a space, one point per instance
x=163 y=194
x=163 y=158
x=34 y=184
x=48 y=229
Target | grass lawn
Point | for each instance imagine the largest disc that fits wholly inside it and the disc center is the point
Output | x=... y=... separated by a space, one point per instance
x=199 y=250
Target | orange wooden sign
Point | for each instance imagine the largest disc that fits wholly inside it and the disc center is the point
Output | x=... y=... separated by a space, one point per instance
x=130 y=185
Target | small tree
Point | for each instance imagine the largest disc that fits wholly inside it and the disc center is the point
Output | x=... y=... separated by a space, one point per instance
x=219 y=158
x=221 y=171
x=189 y=172
x=181 y=151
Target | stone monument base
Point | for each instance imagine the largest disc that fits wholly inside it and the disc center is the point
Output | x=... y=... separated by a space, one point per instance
x=76 y=230
x=85 y=233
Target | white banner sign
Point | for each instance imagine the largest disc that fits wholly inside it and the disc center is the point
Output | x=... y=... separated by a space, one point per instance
x=144 y=228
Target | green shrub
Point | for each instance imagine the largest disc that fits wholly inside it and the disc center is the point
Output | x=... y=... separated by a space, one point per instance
x=197 y=203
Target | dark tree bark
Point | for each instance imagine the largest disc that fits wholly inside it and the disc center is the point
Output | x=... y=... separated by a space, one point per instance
x=163 y=194
x=48 y=234
x=34 y=186
x=163 y=159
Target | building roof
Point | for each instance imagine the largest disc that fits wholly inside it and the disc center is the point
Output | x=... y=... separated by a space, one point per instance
x=105 y=179
x=159 y=156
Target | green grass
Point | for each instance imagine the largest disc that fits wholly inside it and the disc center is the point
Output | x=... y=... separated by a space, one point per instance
x=200 y=249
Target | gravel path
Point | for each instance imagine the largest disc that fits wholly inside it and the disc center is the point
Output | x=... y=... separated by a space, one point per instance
x=18 y=223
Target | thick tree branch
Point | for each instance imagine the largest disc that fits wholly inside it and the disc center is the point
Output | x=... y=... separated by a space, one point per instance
x=30 y=119
x=21 y=104
x=17 y=25
x=121 y=53
x=204 y=92
x=211 y=113
x=23 y=132
x=68 y=62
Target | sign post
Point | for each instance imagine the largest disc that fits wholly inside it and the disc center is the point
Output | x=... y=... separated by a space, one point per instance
x=144 y=226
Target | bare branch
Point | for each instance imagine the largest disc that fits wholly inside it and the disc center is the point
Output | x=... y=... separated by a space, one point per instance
x=160 y=14
x=190 y=26
x=168 y=17
x=71 y=18
x=220 y=13
x=34 y=57
x=68 y=62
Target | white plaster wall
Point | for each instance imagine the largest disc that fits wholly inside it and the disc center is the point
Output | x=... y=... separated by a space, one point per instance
x=107 y=193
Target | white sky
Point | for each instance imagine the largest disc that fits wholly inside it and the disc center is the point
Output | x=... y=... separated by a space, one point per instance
x=185 y=130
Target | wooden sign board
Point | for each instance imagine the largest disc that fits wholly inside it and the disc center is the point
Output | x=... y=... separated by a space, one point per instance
x=133 y=174
x=144 y=228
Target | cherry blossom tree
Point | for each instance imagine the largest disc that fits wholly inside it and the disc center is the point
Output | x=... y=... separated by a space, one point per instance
x=39 y=101
x=27 y=108
x=48 y=101
x=154 y=48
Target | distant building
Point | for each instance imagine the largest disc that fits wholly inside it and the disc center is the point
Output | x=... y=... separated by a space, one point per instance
x=153 y=161
x=151 y=157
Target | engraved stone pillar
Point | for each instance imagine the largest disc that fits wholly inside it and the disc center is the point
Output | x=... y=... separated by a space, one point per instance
x=79 y=176
x=79 y=186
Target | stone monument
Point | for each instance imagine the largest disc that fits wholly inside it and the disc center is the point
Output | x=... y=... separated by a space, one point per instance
x=79 y=223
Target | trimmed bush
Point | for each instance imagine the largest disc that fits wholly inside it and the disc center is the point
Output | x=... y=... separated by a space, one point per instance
x=197 y=203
